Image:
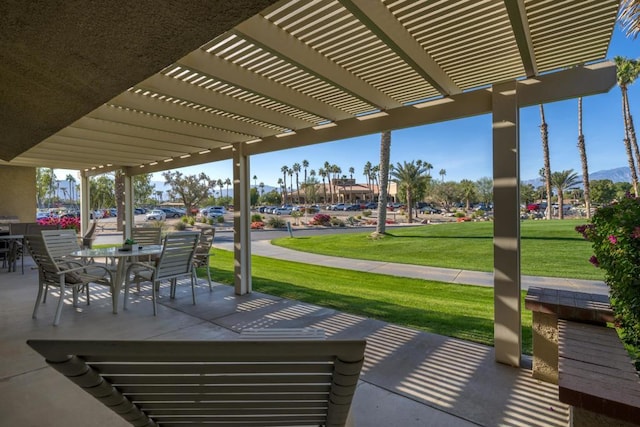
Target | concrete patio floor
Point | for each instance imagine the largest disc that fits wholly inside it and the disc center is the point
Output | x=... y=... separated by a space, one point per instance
x=410 y=378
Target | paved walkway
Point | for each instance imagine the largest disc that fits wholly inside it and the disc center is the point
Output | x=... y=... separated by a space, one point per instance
x=448 y=275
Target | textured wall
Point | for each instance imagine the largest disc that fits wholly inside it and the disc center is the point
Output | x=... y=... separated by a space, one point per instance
x=18 y=192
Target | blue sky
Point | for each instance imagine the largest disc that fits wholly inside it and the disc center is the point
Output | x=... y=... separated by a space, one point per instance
x=463 y=147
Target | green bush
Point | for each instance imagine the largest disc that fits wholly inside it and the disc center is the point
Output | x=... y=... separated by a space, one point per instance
x=256 y=218
x=276 y=222
x=459 y=214
x=337 y=222
x=614 y=233
x=366 y=213
x=180 y=225
x=209 y=221
x=220 y=219
x=185 y=219
x=192 y=221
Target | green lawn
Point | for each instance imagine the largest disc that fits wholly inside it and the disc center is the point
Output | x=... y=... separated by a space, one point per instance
x=549 y=248
x=460 y=311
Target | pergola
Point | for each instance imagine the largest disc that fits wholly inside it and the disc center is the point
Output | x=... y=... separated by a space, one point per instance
x=153 y=85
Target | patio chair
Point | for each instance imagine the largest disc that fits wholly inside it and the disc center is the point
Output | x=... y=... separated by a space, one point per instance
x=203 y=252
x=222 y=383
x=18 y=249
x=175 y=261
x=63 y=275
x=144 y=236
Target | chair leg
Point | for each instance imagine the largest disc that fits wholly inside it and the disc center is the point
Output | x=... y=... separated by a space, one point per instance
x=193 y=289
x=209 y=277
x=46 y=291
x=153 y=295
x=35 y=308
x=127 y=282
x=56 y=319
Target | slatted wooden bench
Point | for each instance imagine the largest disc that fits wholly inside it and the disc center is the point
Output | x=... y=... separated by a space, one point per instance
x=549 y=305
x=596 y=376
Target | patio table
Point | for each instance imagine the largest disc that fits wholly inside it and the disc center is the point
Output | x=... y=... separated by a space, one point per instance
x=121 y=258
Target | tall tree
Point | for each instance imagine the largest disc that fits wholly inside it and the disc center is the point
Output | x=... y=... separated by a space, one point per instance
x=469 y=192
x=285 y=170
x=220 y=184
x=367 y=173
x=583 y=160
x=296 y=170
x=119 y=197
x=544 y=135
x=351 y=172
x=143 y=188
x=484 y=186
x=443 y=173
x=255 y=181
x=191 y=190
x=328 y=170
x=323 y=173
x=290 y=172
x=627 y=71
x=411 y=179
x=282 y=184
x=227 y=182
x=563 y=181
x=305 y=165
x=71 y=184
x=385 y=154
x=261 y=185
x=630 y=17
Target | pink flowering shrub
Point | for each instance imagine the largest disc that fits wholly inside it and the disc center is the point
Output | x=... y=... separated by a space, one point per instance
x=66 y=222
x=321 y=219
x=614 y=233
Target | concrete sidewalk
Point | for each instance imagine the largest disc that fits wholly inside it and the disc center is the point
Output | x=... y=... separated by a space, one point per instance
x=447 y=275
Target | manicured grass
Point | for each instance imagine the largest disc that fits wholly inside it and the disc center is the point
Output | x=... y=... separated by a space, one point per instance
x=460 y=311
x=549 y=248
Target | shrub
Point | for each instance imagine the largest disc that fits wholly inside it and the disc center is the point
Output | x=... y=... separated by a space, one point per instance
x=192 y=221
x=337 y=222
x=321 y=219
x=614 y=233
x=276 y=222
x=366 y=213
x=209 y=221
x=184 y=219
x=220 y=219
x=257 y=225
x=180 y=225
x=256 y=218
x=459 y=214
x=67 y=222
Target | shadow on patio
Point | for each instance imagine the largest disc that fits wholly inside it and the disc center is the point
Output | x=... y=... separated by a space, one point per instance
x=410 y=378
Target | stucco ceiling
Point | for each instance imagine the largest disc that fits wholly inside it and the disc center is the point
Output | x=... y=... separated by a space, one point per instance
x=155 y=84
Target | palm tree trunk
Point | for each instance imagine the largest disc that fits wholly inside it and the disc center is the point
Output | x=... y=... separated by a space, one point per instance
x=544 y=134
x=627 y=141
x=385 y=154
x=631 y=132
x=119 y=189
x=583 y=161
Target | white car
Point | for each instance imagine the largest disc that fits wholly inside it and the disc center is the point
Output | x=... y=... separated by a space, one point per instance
x=282 y=211
x=156 y=215
x=213 y=211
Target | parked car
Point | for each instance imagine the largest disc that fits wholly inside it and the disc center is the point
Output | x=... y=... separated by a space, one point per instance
x=283 y=210
x=430 y=210
x=156 y=215
x=170 y=212
x=213 y=211
x=352 y=207
x=139 y=211
x=338 y=207
x=97 y=214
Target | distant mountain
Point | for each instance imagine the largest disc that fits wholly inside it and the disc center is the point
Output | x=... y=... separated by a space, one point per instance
x=620 y=174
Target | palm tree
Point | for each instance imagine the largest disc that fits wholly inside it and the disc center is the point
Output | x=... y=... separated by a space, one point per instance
x=284 y=170
x=282 y=188
x=305 y=165
x=629 y=17
x=327 y=168
x=323 y=173
x=227 y=182
x=290 y=172
x=385 y=154
x=296 y=169
x=544 y=135
x=411 y=178
x=351 y=172
x=443 y=173
x=261 y=185
x=428 y=166
x=367 y=173
x=335 y=169
x=469 y=191
x=255 y=179
x=583 y=161
x=71 y=180
x=563 y=181
x=627 y=71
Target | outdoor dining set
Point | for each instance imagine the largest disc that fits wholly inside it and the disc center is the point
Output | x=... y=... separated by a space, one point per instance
x=67 y=262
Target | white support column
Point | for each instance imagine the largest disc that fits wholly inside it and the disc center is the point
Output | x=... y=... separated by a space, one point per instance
x=84 y=203
x=241 y=221
x=128 y=203
x=506 y=228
